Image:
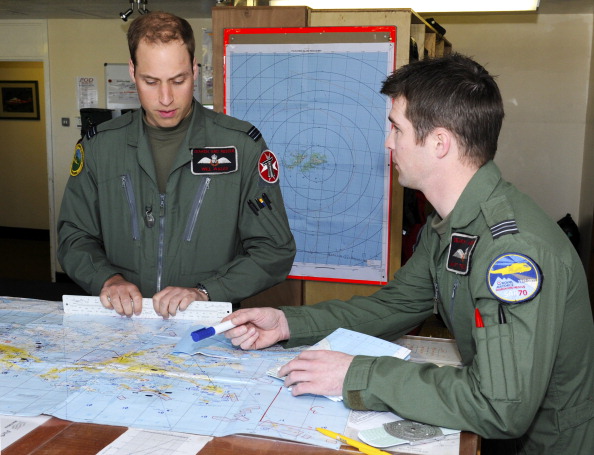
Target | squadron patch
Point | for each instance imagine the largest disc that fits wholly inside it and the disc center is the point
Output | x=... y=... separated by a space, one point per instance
x=514 y=278
x=268 y=167
x=214 y=160
x=461 y=248
x=78 y=160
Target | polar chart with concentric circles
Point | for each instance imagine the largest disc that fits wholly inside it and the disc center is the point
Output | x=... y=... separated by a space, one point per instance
x=320 y=111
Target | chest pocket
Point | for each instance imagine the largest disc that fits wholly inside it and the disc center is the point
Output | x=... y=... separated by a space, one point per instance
x=496 y=362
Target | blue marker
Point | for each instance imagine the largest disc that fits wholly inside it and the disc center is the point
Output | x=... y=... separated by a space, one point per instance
x=206 y=332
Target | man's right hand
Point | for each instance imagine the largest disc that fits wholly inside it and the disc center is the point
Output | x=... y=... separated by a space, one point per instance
x=122 y=296
x=257 y=328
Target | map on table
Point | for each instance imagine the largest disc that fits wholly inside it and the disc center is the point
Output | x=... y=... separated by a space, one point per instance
x=123 y=371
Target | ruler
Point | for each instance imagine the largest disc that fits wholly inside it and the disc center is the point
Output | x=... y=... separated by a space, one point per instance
x=207 y=313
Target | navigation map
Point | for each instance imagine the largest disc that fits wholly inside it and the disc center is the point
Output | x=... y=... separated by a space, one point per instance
x=127 y=371
x=319 y=109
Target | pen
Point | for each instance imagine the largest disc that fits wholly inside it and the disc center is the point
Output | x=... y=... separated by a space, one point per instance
x=253 y=207
x=502 y=318
x=478 y=319
x=206 y=332
x=367 y=449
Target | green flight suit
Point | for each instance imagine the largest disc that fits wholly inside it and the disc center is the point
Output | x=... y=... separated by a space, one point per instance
x=114 y=220
x=530 y=378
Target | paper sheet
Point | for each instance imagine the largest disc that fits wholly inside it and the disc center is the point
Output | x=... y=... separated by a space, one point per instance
x=363 y=420
x=148 y=442
x=13 y=428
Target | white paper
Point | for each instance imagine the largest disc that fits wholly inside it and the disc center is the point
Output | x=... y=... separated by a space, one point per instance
x=144 y=442
x=363 y=420
x=13 y=428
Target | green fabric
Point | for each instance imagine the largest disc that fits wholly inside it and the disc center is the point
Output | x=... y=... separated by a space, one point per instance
x=531 y=378
x=203 y=230
x=164 y=144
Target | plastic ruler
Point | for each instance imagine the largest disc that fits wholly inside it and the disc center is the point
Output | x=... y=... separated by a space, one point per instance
x=207 y=313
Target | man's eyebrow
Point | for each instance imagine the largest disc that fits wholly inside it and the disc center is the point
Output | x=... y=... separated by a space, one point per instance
x=182 y=74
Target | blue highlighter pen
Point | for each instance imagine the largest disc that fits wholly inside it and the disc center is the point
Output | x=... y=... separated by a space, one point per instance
x=206 y=332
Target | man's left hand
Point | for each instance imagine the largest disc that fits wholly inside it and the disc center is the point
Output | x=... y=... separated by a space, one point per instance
x=318 y=372
x=171 y=299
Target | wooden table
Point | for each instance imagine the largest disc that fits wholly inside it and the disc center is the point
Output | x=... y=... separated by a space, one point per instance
x=62 y=437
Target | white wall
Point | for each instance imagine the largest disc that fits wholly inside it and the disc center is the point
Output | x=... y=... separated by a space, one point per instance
x=543 y=66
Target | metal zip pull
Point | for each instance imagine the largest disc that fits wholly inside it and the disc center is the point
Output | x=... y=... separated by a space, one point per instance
x=149 y=218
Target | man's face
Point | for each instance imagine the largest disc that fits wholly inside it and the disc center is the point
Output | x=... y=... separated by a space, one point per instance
x=164 y=77
x=409 y=158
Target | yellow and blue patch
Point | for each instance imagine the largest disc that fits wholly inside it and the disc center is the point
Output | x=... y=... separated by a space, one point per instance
x=514 y=278
x=78 y=160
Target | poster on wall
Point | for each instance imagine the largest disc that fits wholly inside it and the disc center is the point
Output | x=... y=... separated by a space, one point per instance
x=87 y=94
x=313 y=93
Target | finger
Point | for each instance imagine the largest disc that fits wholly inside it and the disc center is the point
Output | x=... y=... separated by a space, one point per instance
x=105 y=300
x=250 y=343
x=117 y=305
x=236 y=332
x=127 y=304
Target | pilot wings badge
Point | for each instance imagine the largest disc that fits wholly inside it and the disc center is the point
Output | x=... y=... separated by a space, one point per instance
x=214 y=160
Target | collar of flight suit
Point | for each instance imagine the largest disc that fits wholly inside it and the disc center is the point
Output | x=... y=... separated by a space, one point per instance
x=479 y=189
x=138 y=141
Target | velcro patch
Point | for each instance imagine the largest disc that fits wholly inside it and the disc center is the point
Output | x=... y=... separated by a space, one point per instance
x=78 y=161
x=514 y=278
x=461 y=248
x=268 y=167
x=214 y=160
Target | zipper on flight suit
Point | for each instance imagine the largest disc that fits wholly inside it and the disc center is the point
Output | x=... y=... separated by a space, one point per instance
x=161 y=245
x=129 y=193
x=198 y=198
x=452 y=300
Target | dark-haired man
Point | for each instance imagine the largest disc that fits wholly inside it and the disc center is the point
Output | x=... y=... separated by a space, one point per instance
x=503 y=276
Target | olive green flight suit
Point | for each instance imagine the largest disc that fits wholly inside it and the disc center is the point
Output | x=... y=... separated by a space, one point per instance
x=201 y=230
x=528 y=377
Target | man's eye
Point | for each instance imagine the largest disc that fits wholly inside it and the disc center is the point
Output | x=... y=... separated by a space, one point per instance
x=150 y=82
x=179 y=82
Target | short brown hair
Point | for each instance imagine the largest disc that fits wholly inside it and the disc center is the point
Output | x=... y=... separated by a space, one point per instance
x=160 y=27
x=453 y=92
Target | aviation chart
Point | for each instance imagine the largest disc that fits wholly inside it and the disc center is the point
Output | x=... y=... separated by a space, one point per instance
x=319 y=109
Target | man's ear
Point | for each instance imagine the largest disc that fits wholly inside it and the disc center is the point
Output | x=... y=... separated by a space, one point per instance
x=131 y=70
x=443 y=141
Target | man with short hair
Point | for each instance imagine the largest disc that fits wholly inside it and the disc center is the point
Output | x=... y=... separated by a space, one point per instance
x=172 y=201
x=503 y=276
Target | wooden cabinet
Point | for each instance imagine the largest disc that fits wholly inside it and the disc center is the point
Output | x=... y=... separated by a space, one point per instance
x=410 y=27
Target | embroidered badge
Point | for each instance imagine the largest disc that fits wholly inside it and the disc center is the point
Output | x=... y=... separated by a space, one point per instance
x=78 y=160
x=214 y=160
x=461 y=247
x=514 y=278
x=268 y=167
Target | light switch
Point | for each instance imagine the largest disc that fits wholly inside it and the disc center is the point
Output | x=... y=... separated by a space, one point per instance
x=65 y=121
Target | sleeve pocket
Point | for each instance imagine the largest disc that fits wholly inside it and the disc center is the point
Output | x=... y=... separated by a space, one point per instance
x=496 y=363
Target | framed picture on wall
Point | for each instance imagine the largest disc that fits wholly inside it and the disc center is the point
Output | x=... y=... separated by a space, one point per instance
x=19 y=100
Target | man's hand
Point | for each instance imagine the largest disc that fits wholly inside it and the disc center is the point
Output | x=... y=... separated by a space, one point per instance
x=257 y=328
x=318 y=372
x=171 y=299
x=122 y=296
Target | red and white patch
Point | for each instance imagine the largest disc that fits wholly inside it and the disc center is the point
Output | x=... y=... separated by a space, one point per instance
x=268 y=167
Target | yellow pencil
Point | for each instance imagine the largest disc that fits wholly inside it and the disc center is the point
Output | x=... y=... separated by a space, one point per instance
x=367 y=449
